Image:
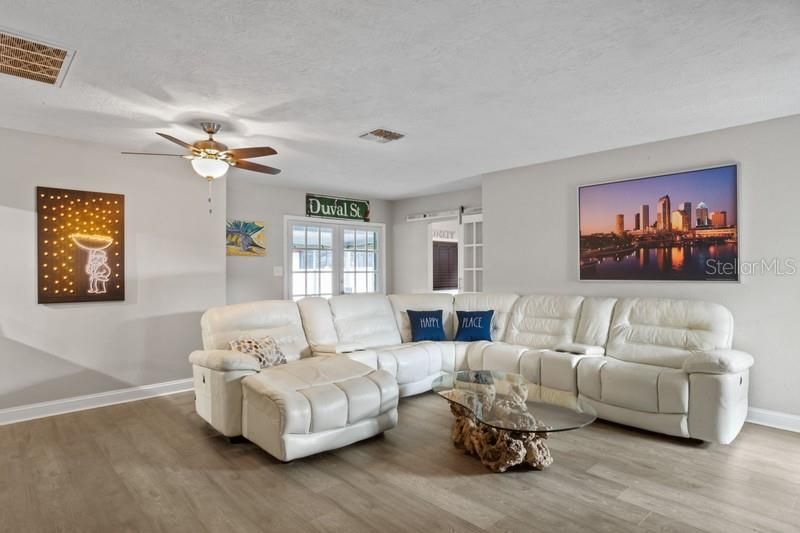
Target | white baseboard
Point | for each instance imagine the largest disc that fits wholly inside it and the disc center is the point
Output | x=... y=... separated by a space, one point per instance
x=775 y=419
x=92 y=401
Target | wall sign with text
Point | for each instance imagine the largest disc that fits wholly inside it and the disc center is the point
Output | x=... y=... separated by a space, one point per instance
x=318 y=205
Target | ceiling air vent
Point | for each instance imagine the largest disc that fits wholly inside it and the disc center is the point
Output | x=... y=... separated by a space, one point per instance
x=382 y=136
x=33 y=59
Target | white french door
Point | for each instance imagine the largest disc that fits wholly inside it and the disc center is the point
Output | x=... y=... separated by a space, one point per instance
x=327 y=258
x=471 y=260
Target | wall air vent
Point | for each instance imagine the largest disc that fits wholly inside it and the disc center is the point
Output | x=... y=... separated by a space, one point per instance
x=382 y=136
x=33 y=59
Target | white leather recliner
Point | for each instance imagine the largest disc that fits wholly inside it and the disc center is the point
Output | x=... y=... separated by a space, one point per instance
x=658 y=364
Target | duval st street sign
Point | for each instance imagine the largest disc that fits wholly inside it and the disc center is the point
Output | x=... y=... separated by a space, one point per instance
x=318 y=205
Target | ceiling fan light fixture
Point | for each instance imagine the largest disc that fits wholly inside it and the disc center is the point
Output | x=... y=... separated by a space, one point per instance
x=209 y=168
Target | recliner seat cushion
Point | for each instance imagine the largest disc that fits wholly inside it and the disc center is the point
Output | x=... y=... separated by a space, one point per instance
x=647 y=388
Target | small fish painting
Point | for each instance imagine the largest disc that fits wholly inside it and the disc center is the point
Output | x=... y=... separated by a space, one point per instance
x=245 y=238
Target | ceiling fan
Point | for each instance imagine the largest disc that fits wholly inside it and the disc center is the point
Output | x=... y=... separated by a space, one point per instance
x=211 y=159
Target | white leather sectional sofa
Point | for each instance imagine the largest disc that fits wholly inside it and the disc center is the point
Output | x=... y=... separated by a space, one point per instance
x=658 y=364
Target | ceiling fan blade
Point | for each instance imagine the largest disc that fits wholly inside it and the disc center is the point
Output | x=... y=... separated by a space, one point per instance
x=150 y=153
x=175 y=140
x=247 y=165
x=247 y=153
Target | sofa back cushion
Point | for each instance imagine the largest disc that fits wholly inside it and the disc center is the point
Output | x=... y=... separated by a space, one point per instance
x=500 y=303
x=318 y=321
x=279 y=319
x=664 y=332
x=366 y=319
x=543 y=321
x=595 y=319
x=401 y=303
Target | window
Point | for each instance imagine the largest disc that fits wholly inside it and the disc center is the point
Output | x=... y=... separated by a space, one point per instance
x=333 y=258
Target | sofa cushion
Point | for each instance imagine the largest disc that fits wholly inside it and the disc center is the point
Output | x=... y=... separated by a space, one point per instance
x=474 y=326
x=426 y=325
x=594 y=321
x=318 y=322
x=410 y=363
x=664 y=332
x=500 y=303
x=367 y=319
x=543 y=321
x=647 y=388
x=401 y=303
x=279 y=319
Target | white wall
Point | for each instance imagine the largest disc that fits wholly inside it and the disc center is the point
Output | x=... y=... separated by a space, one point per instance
x=174 y=263
x=531 y=237
x=251 y=278
x=411 y=240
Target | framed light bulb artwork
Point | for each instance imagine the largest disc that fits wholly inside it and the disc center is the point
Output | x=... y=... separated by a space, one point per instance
x=81 y=246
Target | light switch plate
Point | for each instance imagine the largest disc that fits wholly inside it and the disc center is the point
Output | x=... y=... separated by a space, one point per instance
x=277 y=271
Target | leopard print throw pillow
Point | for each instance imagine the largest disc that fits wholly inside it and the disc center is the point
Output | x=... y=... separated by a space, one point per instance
x=266 y=350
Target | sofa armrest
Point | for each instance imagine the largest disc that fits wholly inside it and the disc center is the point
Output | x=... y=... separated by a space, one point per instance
x=718 y=362
x=332 y=349
x=224 y=360
x=580 y=349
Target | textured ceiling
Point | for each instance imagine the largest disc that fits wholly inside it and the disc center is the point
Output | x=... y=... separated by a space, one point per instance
x=476 y=86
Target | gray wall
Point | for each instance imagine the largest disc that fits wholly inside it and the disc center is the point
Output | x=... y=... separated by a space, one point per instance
x=410 y=240
x=251 y=278
x=174 y=263
x=531 y=237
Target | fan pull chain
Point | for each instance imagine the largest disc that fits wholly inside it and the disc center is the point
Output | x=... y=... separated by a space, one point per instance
x=210 y=206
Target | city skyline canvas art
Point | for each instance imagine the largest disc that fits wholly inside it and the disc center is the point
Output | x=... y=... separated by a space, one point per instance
x=681 y=226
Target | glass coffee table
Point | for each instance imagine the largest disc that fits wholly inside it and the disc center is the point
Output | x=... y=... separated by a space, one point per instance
x=504 y=420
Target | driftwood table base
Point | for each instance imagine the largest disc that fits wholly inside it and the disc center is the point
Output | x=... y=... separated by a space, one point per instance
x=498 y=449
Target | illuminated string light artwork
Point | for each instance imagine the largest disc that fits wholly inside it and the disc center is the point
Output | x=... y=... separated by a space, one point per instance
x=81 y=244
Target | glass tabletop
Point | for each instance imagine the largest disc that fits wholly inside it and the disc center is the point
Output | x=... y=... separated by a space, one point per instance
x=507 y=401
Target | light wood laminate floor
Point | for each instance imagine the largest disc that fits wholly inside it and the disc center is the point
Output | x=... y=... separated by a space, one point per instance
x=154 y=465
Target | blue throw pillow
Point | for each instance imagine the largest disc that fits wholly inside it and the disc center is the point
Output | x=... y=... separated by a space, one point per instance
x=474 y=326
x=426 y=325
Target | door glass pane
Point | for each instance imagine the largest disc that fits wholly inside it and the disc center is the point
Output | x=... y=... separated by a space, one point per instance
x=297 y=260
x=361 y=240
x=479 y=233
x=361 y=261
x=469 y=286
x=370 y=260
x=371 y=282
x=478 y=280
x=312 y=283
x=326 y=260
x=312 y=259
x=469 y=236
x=372 y=240
x=361 y=282
x=469 y=257
x=479 y=256
x=326 y=283
x=299 y=236
x=349 y=261
x=349 y=242
x=312 y=238
x=326 y=238
x=349 y=284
